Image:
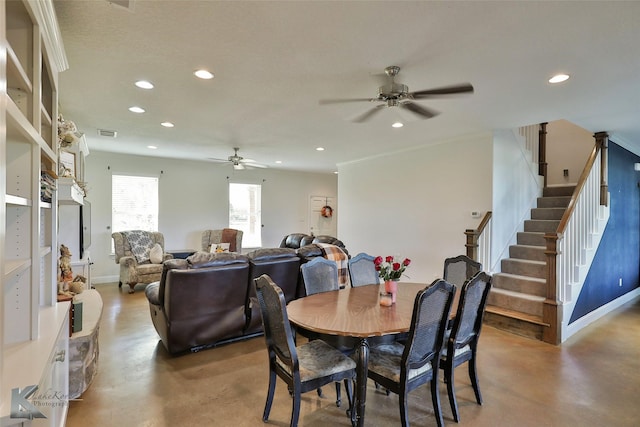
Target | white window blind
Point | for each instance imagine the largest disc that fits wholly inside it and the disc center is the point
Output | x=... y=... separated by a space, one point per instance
x=245 y=210
x=134 y=203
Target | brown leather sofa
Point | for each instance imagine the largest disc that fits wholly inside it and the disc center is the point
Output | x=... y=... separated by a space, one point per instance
x=209 y=298
x=299 y=240
x=283 y=266
x=200 y=301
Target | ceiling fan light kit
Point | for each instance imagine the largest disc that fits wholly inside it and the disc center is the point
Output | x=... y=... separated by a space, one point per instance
x=397 y=95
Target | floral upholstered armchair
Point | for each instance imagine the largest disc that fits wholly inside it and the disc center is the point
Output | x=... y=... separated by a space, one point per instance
x=230 y=236
x=140 y=255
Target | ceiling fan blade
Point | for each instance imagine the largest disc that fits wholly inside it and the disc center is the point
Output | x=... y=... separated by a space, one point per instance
x=340 y=101
x=367 y=114
x=256 y=165
x=425 y=113
x=447 y=90
x=217 y=160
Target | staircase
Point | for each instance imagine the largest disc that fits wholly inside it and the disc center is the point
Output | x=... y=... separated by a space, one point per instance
x=516 y=300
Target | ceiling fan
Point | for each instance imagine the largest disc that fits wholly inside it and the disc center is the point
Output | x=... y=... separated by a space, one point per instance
x=239 y=162
x=397 y=95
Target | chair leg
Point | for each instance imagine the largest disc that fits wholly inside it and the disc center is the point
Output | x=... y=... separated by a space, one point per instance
x=404 y=410
x=435 y=397
x=338 y=395
x=448 y=375
x=270 y=392
x=349 y=390
x=473 y=376
x=295 y=412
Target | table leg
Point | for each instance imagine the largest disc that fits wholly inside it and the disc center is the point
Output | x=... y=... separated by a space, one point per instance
x=362 y=366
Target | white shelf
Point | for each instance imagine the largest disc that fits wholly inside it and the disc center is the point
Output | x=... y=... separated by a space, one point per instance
x=13 y=267
x=25 y=363
x=69 y=192
x=16 y=200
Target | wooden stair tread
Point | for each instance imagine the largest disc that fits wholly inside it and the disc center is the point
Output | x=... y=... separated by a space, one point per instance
x=516 y=315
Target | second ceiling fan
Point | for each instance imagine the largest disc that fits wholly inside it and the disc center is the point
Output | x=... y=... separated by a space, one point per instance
x=395 y=94
x=239 y=162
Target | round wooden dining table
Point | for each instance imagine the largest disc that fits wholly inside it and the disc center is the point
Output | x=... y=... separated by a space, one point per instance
x=356 y=313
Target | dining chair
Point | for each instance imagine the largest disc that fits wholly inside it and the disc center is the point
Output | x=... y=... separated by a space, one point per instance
x=402 y=368
x=320 y=275
x=303 y=368
x=362 y=270
x=459 y=269
x=462 y=341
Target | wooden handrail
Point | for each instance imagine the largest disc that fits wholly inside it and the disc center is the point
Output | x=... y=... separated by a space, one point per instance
x=579 y=186
x=474 y=235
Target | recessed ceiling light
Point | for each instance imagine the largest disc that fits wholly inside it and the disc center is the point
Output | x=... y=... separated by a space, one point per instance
x=278 y=161
x=203 y=74
x=559 y=78
x=397 y=125
x=335 y=172
x=143 y=84
x=167 y=124
x=153 y=147
x=320 y=149
x=136 y=110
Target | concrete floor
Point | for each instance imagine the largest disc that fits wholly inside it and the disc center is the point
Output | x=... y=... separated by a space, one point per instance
x=593 y=379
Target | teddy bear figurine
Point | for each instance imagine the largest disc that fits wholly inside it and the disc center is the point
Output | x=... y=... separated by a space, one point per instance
x=66 y=274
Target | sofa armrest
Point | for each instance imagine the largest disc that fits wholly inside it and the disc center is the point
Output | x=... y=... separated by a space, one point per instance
x=152 y=292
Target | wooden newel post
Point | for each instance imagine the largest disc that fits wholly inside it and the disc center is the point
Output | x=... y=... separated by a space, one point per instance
x=472 y=243
x=602 y=141
x=550 y=311
x=542 y=152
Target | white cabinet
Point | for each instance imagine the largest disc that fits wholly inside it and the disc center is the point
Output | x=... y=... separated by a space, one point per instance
x=31 y=56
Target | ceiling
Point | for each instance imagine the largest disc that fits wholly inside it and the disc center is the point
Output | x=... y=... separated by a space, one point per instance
x=274 y=60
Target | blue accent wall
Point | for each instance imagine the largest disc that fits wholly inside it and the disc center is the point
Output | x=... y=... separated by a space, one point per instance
x=618 y=256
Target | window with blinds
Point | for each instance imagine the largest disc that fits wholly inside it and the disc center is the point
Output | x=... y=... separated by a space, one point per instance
x=134 y=203
x=245 y=212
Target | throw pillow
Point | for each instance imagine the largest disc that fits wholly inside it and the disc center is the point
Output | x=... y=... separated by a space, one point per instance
x=155 y=254
x=219 y=247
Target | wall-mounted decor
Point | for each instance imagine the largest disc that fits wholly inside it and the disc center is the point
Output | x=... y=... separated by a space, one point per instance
x=67 y=164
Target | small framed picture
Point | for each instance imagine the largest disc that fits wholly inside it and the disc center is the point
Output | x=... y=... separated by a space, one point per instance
x=67 y=164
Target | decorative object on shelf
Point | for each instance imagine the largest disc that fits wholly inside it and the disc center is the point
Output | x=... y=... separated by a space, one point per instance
x=390 y=271
x=78 y=285
x=47 y=185
x=67 y=133
x=66 y=274
x=67 y=164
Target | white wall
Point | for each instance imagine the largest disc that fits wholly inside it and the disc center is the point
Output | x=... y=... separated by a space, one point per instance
x=568 y=147
x=194 y=197
x=516 y=186
x=416 y=203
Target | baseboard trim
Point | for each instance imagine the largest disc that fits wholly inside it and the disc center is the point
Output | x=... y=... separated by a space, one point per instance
x=104 y=279
x=596 y=314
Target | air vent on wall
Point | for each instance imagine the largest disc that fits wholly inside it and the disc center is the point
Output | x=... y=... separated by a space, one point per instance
x=107 y=133
x=127 y=4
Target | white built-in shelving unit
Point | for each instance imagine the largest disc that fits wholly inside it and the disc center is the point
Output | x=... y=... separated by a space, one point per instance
x=34 y=332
